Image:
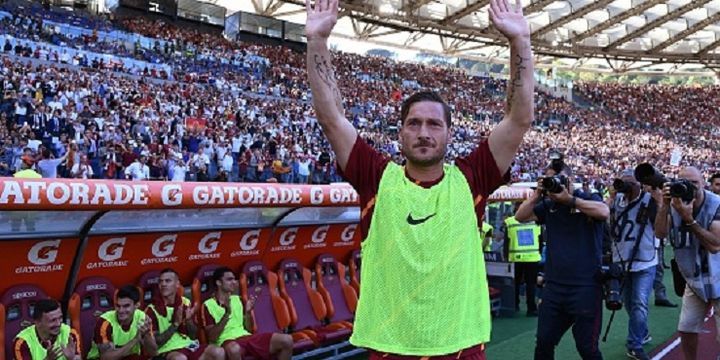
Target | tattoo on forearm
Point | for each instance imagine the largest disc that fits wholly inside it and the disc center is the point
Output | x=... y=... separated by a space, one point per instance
x=515 y=78
x=327 y=74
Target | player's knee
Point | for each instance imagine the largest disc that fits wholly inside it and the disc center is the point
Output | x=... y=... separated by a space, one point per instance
x=176 y=356
x=233 y=349
x=215 y=352
x=285 y=341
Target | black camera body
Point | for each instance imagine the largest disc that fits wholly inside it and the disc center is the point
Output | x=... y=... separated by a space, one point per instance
x=554 y=184
x=612 y=276
x=683 y=189
x=679 y=188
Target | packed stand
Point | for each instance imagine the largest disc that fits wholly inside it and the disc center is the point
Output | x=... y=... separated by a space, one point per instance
x=255 y=124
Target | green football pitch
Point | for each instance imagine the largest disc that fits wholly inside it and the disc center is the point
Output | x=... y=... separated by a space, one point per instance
x=514 y=337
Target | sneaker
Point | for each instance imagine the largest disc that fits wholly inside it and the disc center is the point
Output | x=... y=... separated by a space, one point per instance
x=647 y=339
x=638 y=354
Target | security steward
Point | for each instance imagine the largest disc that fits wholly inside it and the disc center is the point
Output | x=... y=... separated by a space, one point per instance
x=523 y=248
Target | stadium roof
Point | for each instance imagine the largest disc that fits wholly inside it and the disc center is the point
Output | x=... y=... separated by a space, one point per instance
x=663 y=36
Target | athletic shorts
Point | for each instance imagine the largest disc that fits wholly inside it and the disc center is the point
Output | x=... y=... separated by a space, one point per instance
x=192 y=353
x=476 y=352
x=257 y=345
x=692 y=314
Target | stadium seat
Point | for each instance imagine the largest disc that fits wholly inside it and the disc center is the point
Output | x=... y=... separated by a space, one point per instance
x=354 y=266
x=202 y=286
x=148 y=285
x=306 y=306
x=271 y=312
x=340 y=298
x=92 y=297
x=16 y=308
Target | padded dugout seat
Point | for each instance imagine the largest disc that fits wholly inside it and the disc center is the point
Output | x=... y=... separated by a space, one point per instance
x=92 y=297
x=16 y=309
x=340 y=298
x=148 y=286
x=306 y=305
x=271 y=313
x=354 y=266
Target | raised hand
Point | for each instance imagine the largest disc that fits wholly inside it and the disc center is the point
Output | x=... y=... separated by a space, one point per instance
x=70 y=350
x=144 y=328
x=178 y=315
x=321 y=18
x=509 y=20
x=685 y=209
x=54 y=353
x=190 y=312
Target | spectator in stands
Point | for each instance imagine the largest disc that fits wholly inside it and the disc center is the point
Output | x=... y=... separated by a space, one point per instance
x=48 y=165
x=174 y=320
x=48 y=337
x=26 y=168
x=421 y=201
x=138 y=170
x=715 y=183
x=82 y=169
x=695 y=228
x=123 y=333
x=226 y=323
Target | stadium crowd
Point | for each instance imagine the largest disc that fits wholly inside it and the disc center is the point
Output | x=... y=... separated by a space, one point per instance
x=240 y=112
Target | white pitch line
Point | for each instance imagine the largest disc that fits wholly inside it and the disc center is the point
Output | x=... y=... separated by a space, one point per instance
x=667 y=349
x=675 y=343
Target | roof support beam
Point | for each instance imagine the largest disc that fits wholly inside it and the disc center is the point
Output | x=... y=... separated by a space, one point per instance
x=450 y=45
x=412 y=5
x=570 y=17
x=272 y=7
x=615 y=20
x=413 y=38
x=257 y=4
x=714 y=45
x=536 y=6
x=687 y=32
x=657 y=22
x=289 y=13
x=454 y=17
x=383 y=33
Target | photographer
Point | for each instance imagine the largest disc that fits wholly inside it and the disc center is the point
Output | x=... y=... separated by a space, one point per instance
x=572 y=295
x=691 y=214
x=632 y=217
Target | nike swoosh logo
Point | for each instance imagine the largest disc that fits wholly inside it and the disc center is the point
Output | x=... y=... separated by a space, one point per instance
x=412 y=221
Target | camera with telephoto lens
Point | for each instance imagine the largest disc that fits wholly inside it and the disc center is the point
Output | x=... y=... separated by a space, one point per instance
x=679 y=188
x=612 y=282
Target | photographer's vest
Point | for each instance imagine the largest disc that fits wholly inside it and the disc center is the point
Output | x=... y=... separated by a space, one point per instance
x=646 y=256
x=120 y=337
x=178 y=340
x=37 y=350
x=486 y=230
x=524 y=245
x=235 y=327
x=700 y=268
x=424 y=289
